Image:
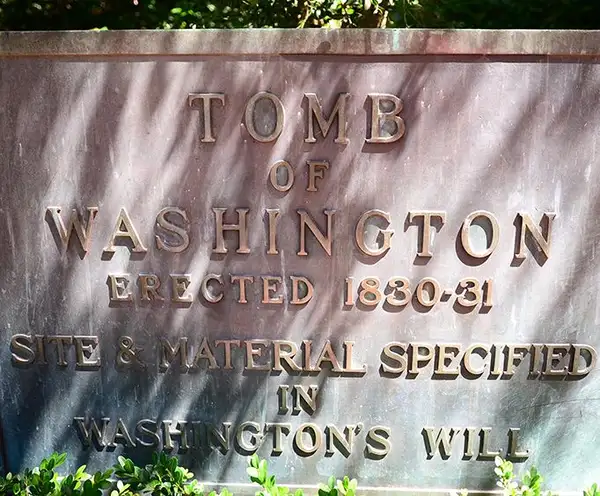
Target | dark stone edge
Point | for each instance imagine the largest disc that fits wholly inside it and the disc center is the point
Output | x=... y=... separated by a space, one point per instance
x=272 y=42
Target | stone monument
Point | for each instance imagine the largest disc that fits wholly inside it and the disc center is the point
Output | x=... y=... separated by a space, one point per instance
x=353 y=252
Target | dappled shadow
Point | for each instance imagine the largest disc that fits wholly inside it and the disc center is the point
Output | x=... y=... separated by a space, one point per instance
x=492 y=134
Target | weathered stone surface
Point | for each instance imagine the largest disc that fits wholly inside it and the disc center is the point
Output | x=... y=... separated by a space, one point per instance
x=102 y=120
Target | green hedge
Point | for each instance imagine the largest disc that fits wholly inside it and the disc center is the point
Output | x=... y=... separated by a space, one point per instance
x=181 y=14
x=165 y=477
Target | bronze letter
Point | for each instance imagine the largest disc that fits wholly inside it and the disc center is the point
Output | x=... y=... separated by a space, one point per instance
x=324 y=240
x=316 y=109
x=316 y=439
x=208 y=296
x=316 y=170
x=182 y=232
x=542 y=239
x=179 y=285
x=275 y=171
x=425 y=239
x=128 y=231
x=359 y=233
x=242 y=280
x=279 y=117
x=21 y=350
x=379 y=118
x=241 y=228
x=465 y=241
x=296 y=281
x=83 y=232
x=206 y=113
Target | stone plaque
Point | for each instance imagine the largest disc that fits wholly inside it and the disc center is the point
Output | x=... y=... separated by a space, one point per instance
x=354 y=252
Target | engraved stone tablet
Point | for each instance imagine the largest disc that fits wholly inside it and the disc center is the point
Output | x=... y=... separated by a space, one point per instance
x=369 y=253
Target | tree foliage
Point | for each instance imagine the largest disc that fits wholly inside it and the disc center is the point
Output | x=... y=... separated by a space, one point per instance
x=196 y=14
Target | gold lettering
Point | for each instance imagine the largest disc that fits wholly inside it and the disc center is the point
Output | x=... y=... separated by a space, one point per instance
x=513 y=445
x=497 y=360
x=180 y=432
x=227 y=344
x=425 y=241
x=514 y=356
x=470 y=435
x=316 y=438
x=398 y=285
x=483 y=351
x=446 y=353
x=240 y=227
x=328 y=355
x=273 y=214
x=206 y=111
x=348 y=359
x=205 y=353
x=242 y=286
x=82 y=231
x=465 y=239
x=307 y=221
x=369 y=293
x=484 y=451
x=274 y=173
x=252 y=352
x=316 y=109
x=279 y=117
x=442 y=441
x=345 y=442
x=204 y=288
x=316 y=169
x=21 y=349
x=302 y=396
x=307 y=344
x=394 y=357
x=119 y=288
x=359 y=233
x=179 y=285
x=170 y=227
x=124 y=229
x=256 y=436
x=169 y=352
x=541 y=236
x=60 y=342
x=379 y=118
x=556 y=356
x=416 y=357
x=285 y=357
x=85 y=348
x=296 y=282
x=149 y=284
x=432 y=297
x=577 y=356
x=378 y=443
x=269 y=287
x=279 y=430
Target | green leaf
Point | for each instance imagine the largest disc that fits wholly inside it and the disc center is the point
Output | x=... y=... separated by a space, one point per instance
x=262 y=470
